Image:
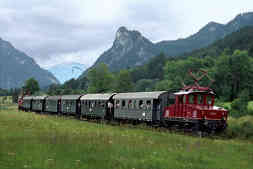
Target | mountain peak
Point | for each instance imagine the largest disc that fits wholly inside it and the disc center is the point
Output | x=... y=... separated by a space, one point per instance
x=122 y=33
x=129 y=49
x=125 y=37
x=122 y=29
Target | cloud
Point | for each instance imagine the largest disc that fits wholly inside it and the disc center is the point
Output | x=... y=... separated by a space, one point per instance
x=55 y=31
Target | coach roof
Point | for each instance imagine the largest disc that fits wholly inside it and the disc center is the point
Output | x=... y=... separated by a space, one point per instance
x=53 y=98
x=39 y=97
x=102 y=96
x=70 y=97
x=139 y=95
x=28 y=97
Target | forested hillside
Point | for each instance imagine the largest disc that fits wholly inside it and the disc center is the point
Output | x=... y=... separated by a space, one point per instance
x=229 y=62
x=130 y=48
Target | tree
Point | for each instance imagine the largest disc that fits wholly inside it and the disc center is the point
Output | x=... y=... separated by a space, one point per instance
x=146 y=85
x=233 y=73
x=177 y=71
x=100 y=79
x=31 y=86
x=124 y=82
x=71 y=84
x=163 y=85
x=155 y=67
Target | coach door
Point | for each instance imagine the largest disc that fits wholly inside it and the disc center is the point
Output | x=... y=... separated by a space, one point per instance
x=156 y=109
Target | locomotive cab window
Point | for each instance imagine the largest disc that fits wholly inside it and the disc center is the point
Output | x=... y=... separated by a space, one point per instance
x=184 y=99
x=200 y=99
x=180 y=99
x=209 y=100
x=191 y=99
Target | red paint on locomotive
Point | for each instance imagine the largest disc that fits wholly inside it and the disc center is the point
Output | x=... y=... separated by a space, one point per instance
x=195 y=104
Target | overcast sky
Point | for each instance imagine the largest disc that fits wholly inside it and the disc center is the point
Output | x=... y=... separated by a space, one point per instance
x=58 y=31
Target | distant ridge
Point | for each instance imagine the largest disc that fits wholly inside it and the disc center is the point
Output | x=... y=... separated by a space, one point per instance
x=16 y=67
x=64 y=72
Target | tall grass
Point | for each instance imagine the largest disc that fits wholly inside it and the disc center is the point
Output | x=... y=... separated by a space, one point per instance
x=29 y=140
x=5 y=99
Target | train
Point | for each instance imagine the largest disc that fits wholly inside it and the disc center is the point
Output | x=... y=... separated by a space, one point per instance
x=192 y=107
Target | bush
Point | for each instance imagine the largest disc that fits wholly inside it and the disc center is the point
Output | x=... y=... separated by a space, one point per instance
x=239 y=106
x=240 y=128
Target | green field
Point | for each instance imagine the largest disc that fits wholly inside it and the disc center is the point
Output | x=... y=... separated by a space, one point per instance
x=29 y=140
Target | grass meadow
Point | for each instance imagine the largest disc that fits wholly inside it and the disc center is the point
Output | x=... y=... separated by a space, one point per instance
x=32 y=141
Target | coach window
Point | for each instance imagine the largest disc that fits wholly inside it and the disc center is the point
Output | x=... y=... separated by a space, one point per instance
x=130 y=104
x=123 y=104
x=93 y=104
x=117 y=104
x=134 y=104
x=148 y=104
x=141 y=104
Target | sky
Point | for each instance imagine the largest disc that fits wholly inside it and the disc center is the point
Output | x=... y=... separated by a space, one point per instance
x=60 y=32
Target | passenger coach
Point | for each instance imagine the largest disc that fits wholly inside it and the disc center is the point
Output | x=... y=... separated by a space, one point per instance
x=38 y=103
x=70 y=104
x=143 y=106
x=97 y=106
x=53 y=104
x=27 y=103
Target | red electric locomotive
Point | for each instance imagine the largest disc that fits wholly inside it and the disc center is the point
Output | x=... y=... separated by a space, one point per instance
x=194 y=106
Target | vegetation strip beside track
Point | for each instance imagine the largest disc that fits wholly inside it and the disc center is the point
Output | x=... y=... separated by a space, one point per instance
x=33 y=141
